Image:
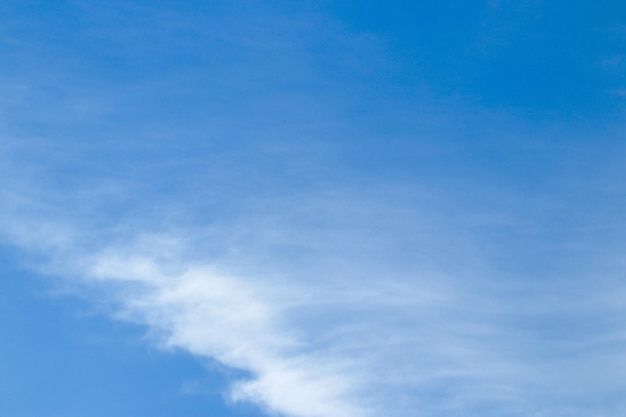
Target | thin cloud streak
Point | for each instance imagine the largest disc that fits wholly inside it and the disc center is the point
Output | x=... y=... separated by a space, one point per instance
x=356 y=343
x=215 y=316
x=313 y=345
x=346 y=303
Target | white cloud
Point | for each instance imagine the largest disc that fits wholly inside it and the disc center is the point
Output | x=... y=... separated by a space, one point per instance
x=211 y=314
x=384 y=299
x=348 y=328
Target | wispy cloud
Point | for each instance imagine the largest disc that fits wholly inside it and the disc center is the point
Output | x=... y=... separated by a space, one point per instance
x=345 y=300
x=213 y=315
x=346 y=336
x=319 y=342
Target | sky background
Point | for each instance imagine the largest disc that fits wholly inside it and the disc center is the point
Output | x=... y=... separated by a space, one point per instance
x=312 y=209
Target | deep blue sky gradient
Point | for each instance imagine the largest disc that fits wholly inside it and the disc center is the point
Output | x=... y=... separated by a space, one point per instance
x=306 y=135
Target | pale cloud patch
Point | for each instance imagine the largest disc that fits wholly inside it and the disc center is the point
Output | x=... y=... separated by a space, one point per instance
x=211 y=314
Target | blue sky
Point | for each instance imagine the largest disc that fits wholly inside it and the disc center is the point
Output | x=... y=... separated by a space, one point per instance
x=312 y=209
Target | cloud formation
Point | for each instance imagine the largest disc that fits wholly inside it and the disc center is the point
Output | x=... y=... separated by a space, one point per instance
x=213 y=315
x=348 y=303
